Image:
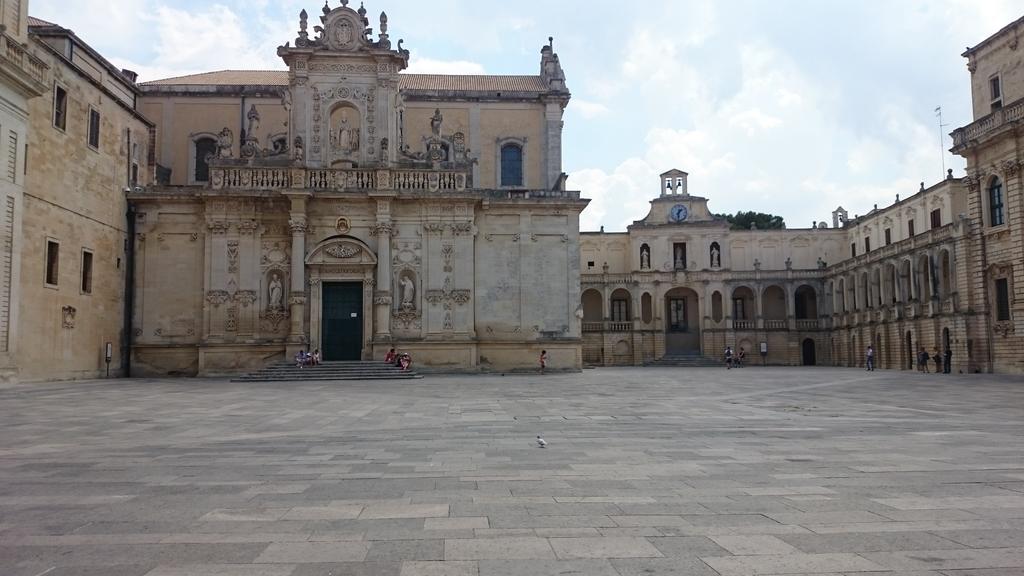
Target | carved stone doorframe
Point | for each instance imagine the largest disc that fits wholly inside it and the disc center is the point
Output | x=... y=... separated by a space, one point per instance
x=341 y=259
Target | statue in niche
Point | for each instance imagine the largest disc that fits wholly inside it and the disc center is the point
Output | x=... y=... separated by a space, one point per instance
x=645 y=258
x=716 y=256
x=435 y=123
x=408 y=292
x=348 y=135
x=276 y=290
x=679 y=257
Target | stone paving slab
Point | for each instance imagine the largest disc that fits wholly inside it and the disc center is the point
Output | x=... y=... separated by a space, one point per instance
x=765 y=471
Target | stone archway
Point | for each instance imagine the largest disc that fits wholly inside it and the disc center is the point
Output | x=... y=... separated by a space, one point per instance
x=682 y=322
x=341 y=282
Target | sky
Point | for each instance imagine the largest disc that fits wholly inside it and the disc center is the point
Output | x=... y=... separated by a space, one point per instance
x=782 y=106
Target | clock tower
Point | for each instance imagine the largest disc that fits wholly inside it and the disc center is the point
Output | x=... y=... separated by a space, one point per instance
x=675 y=205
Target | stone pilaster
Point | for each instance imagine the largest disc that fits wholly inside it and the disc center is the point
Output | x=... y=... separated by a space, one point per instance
x=383 y=297
x=297 y=223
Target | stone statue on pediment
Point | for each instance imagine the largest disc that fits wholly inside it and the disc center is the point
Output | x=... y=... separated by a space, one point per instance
x=435 y=123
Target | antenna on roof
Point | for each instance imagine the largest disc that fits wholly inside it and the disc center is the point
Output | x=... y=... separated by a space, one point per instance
x=942 y=140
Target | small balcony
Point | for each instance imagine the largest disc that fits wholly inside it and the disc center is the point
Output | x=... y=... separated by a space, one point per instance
x=978 y=130
x=22 y=67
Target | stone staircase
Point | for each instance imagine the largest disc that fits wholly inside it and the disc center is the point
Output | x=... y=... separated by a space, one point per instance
x=693 y=360
x=288 y=372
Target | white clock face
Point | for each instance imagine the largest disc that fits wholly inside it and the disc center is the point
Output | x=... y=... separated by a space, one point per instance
x=679 y=213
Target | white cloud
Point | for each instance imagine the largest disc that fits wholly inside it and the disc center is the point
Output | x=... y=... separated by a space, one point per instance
x=753 y=120
x=420 y=65
x=588 y=109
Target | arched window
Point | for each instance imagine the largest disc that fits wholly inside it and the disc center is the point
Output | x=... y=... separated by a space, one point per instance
x=995 y=202
x=204 y=149
x=511 y=165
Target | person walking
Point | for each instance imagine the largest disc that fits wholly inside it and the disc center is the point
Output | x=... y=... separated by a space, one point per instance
x=871 y=359
x=922 y=360
x=543 y=360
x=741 y=357
x=947 y=361
x=728 y=357
x=938 y=361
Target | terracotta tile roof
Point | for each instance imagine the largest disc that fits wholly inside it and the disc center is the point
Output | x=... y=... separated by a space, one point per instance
x=227 y=78
x=466 y=83
x=440 y=82
x=33 y=21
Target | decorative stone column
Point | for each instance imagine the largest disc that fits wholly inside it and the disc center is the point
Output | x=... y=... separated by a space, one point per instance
x=383 y=295
x=297 y=301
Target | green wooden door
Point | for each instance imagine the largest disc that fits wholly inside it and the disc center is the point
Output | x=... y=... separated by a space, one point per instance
x=342 y=321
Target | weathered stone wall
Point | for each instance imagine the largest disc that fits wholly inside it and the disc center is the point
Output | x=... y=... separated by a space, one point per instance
x=75 y=196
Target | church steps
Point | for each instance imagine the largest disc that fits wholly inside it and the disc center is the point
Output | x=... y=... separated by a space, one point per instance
x=326 y=371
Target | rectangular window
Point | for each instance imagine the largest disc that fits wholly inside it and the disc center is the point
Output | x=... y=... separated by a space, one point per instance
x=910 y=228
x=52 y=262
x=995 y=202
x=12 y=156
x=135 y=175
x=888 y=236
x=619 y=311
x=590 y=264
x=853 y=249
x=86 y=272
x=867 y=245
x=936 y=218
x=94 y=128
x=1002 y=299
x=995 y=89
x=60 y=107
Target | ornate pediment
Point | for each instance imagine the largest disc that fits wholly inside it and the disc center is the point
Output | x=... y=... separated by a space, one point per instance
x=343 y=29
x=343 y=250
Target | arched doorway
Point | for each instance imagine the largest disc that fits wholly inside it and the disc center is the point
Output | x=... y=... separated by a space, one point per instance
x=592 y=306
x=808 y=352
x=806 y=303
x=341 y=270
x=682 y=325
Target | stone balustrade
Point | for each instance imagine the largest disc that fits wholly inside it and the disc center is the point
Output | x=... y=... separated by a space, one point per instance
x=742 y=324
x=14 y=55
x=808 y=324
x=226 y=177
x=776 y=325
x=973 y=132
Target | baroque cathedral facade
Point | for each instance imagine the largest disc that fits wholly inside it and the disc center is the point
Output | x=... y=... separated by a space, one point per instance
x=215 y=223
x=355 y=209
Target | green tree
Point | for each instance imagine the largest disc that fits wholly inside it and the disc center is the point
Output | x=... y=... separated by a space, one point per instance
x=742 y=220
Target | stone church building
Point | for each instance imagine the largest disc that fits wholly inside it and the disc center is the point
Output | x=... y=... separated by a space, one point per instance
x=345 y=206
x=216 y=223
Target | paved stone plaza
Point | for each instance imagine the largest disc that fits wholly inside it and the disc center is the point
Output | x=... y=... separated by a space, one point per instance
x=648 y=472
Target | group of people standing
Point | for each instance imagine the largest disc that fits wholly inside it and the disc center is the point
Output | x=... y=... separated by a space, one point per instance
x=943 y=362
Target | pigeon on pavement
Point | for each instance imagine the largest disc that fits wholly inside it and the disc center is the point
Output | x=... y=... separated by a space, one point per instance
x=541 y=442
